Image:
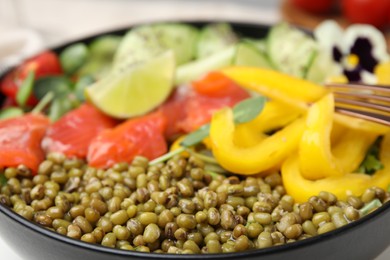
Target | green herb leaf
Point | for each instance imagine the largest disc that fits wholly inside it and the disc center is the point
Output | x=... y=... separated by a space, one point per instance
x=25 y=89
x=197 y=136
x=10 y=112
x=371 y=162
x=43 y=102
x=243 y=112
x=248 y=109
x=59 y=107
x=81 y=85
x=59 y=85
x=3 y=180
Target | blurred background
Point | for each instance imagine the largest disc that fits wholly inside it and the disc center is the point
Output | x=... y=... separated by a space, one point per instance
x=58 y=20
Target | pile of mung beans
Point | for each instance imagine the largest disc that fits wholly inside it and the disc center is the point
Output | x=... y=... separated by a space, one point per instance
x=174 y=207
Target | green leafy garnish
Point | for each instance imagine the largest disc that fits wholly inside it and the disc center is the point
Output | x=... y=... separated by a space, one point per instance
x=59 y=85
x=243 y=112
x=371 y=162
x=59 y=107
x=43 y=102
x=196 y=136
x=3 y=180
x=374 y=204
x=25 y=89
x=10 y=112
x=248 y=109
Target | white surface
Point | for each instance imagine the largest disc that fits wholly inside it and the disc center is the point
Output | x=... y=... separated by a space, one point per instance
x=59 y=20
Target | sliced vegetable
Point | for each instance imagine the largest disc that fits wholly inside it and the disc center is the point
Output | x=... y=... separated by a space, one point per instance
x=73 y=57
x=343 y=186
x=198 y=68
x=214 y=38
x=145 y=42
x=290 y=50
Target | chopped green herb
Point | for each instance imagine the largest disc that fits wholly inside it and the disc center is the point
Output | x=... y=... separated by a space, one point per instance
x=371 y=162
x=59 y=85
x=374 y=204
x=43 y=102
x=196 y=137
x=248 y=109
x=25 y=89
x=10 y=112
x=243 y=112
x=3 y=180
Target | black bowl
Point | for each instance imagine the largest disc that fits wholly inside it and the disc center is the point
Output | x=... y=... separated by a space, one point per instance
x=365 y=238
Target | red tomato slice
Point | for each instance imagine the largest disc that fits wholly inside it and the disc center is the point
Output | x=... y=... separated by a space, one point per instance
x=138 y=136
x=72 y=134
x=20 y=141
x=44 y=64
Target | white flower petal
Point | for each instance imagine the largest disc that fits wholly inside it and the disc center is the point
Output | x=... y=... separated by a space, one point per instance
x=377 y=39
x=368 y=77
x=329 y=34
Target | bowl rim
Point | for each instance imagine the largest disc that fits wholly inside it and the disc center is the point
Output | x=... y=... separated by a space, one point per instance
x=258 y=252
x=8 y=212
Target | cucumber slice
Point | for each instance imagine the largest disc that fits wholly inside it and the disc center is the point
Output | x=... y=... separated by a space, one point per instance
x=147 y=41
x=322 y=67
x=248 y=55
x=215 y=37
x=74 y=57
x=104 y=47
x=194 y=70
x=261 y=44
x=290 y=50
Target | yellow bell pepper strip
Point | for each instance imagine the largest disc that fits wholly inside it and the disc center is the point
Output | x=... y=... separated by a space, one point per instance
x=302 y=189
x=296 y=92
x=176 y=145
x=382 y=72
x=361 y=124
x=277 y=86
x=316 y=160
x=275 y=115
x=257 y=158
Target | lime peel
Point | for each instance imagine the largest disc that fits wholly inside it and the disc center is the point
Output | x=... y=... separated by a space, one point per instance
x=136 y=89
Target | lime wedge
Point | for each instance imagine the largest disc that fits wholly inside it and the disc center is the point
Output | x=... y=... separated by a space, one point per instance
x=134 y=89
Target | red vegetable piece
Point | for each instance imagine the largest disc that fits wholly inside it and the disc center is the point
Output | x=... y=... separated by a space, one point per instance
x=138 y=136
x=73 y=133
x=20 y=141
x=314 y=6
x=374 y=12
x=44 y=64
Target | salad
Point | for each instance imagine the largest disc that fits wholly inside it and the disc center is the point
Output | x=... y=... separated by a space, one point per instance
x=179 y=139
